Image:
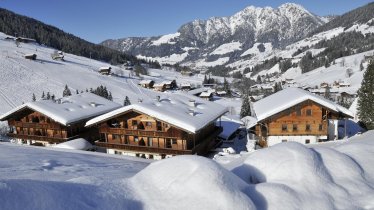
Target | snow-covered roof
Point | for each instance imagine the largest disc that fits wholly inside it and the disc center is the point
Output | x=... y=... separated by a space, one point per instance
x=145 y=82
x=198 y=90
x=289 y=97
x=159 y=85
x=105 y=68
x=229 y=127
x=167 y=82
x=70 y=109
x=173 y=109
x=206 y=94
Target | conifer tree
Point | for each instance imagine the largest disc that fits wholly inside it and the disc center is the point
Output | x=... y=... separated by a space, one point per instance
x=66 y=91
x=226 y=87
x=246 y=107
x=33 y=97
x=48 y=96
x=77 y=91
x=327 y=93
x=126 y=102
x=366 y=97
x=43 y=95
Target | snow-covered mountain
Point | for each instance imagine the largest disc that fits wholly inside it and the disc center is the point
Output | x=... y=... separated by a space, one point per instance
x=223 y=39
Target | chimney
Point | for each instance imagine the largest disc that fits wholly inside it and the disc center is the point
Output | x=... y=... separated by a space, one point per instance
x=191 y=103
x=140 y=100
x=191 y=112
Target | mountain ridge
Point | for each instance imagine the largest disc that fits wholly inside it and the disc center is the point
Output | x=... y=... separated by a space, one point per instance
x=198 y=38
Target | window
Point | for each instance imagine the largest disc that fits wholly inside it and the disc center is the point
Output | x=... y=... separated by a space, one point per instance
x=150 y=156
x=307 y=127
x=294 y=127
x=126 y=140
x=298 y=111
x=148 y=124
x=168 y=143
x=136 y=139
x=284 y=127
x=116 y=137
x=307 y=141
x=320 y=127
x=117 y=152
x=308 y=112
x=159 y=127
x=284 y=140
x=174 y=141
x=134 y=123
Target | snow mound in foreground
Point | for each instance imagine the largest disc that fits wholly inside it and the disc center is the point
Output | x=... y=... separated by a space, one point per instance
x=190 y=182
x=77 y=144
x=292 y=176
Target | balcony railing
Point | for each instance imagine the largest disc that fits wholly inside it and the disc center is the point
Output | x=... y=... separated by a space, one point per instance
x=123 y=131
x=36 y=125
x=201 y=148
x=41 y=138
x=143 y=148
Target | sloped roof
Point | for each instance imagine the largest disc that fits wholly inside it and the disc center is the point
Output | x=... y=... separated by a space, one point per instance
x=289 y=97
x=71 y=109
x=173 y=109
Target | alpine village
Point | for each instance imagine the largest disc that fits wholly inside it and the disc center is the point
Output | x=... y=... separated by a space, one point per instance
x=268 y=108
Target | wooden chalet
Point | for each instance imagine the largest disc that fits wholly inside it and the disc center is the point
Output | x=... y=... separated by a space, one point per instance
x=297 y=115
x=105 y=70
x=208 y=95
x=185 y=86
x=48 y=122
x=147 y=83
x=161 y=87
x=165 y=129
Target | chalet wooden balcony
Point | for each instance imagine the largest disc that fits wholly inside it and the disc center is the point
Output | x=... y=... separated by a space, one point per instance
x=123 y=131
x=41 y=138
x=136 y=148
x=36 y=125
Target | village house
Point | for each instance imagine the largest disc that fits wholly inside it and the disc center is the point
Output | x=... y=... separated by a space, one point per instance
x=297 y=115
x=105 y=70
x=185 y=86
x=47 y=122
x=187 y=73
x=161 y=87
x=155 y=129
x=147 y=83
x=207 y=95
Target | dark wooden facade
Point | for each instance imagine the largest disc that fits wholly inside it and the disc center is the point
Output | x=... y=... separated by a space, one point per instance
x=304 y=119
x=139 y=133
x=33 y=127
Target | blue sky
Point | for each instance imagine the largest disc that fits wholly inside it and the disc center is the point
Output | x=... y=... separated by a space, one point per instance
x=97 y=20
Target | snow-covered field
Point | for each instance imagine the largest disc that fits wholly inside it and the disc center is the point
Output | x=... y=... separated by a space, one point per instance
x=286 y=176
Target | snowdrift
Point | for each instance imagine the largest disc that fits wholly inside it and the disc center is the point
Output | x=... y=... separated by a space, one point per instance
x=292 y=176
x=77 y=144
x=190 y=182
x=285 y=176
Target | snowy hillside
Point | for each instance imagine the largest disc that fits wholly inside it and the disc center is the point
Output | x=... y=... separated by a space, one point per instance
x=288 y=176
x=20 y=77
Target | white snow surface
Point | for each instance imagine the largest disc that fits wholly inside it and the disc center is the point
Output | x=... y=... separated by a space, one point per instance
x=289 y=97
x=227 y=48
x=174 y=110
x=71 y=109
x=286 y=176
x=166 y=39
x=77 y=144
